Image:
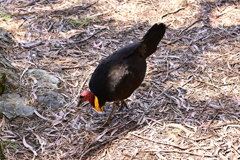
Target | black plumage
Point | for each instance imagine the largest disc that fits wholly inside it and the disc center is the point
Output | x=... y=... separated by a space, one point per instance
x=118 y=75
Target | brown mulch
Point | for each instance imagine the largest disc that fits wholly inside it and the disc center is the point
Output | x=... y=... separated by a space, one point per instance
x=198 y=118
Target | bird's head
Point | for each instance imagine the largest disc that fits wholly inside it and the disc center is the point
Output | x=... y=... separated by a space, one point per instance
x=93 y=100
x=87 y=96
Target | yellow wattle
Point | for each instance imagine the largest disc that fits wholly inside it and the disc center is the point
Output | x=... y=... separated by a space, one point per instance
x=96 y=104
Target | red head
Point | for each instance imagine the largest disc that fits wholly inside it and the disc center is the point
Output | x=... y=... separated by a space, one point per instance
x=87 y=96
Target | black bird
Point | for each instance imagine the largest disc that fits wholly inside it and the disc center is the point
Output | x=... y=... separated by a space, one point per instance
x=118 y=75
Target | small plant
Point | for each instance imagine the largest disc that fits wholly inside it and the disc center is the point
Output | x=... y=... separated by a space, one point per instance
x=6 y=17
x=7 y=145
x=81 y=22
x=4 y=14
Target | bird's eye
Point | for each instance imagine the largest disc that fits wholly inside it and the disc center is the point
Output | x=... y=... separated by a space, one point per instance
x=81 y=97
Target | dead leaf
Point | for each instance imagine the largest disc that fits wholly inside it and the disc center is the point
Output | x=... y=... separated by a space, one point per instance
x=31 y=44
x=28 y=146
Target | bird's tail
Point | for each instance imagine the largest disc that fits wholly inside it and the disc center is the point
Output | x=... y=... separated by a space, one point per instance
x=151 y=39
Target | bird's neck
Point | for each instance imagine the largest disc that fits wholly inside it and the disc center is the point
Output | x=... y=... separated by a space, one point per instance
x=91 y=100
x=95 y=103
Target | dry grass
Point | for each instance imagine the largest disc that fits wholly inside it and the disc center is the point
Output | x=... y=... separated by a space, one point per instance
x=199 y=56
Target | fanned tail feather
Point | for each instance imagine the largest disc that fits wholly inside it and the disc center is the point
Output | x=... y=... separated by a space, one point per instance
x=151 y=39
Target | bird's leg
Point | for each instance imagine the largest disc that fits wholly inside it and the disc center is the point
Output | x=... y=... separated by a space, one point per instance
x=123 y=104
x=115 y=105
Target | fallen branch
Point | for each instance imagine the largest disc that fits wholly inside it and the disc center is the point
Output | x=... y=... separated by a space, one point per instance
x=180 y=152
x=107 y=141
x=177 y=10
x=174 y=145
x=135 y=126
x=199 y=20
x=139 y=121
x=88 y=37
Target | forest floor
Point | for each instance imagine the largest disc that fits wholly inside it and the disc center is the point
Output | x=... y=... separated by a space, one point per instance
x=199 y=56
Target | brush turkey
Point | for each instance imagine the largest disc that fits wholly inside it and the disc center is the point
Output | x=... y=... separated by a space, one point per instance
x=118 y=75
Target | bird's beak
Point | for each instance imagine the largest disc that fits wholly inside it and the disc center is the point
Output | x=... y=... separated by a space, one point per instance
x=79 y=102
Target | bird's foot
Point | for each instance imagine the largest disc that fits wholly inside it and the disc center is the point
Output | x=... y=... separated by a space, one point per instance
x=104 y=123
x=123 y=104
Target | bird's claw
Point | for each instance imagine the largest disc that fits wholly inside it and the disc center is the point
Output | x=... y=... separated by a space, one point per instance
x=104 y=123
x=123 y=104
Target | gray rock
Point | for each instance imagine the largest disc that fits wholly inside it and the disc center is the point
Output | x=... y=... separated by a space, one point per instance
x=12 y=82
x=52 y=99
x=12 y=105
x=44 y=78
x=6 y=40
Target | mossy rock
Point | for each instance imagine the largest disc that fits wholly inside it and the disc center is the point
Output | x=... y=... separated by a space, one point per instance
x=9 y=79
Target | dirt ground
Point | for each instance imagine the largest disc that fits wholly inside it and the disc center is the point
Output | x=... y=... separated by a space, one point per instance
x=199 y=56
